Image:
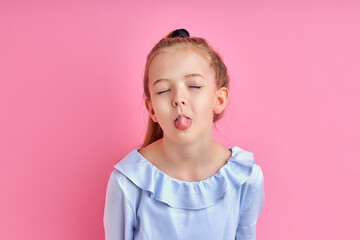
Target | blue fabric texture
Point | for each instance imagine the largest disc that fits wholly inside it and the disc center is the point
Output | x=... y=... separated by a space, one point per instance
x=142 y=202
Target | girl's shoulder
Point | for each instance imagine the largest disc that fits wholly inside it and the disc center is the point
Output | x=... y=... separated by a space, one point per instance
x=151 y=153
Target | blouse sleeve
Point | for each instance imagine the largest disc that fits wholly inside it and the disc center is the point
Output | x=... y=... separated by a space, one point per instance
x=253 y=205
x=118 y=215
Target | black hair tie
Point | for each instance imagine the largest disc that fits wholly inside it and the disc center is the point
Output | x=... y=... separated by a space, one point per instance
x=180 y=33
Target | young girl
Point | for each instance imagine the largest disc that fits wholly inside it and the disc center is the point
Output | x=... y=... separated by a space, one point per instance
x=181 y=184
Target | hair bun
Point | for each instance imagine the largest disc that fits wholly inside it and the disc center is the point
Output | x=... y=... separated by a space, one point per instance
x=180 y=33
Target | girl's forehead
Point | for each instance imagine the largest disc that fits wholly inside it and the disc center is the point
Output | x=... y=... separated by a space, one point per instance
x=178 y=61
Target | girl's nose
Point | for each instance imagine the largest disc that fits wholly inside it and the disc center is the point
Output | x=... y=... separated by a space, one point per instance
x=179 y=101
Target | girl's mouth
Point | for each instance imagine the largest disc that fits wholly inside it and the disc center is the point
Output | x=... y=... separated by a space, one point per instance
x=182 y=123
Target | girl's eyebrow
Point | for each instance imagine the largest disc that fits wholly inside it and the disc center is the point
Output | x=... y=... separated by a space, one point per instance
x=186 y=76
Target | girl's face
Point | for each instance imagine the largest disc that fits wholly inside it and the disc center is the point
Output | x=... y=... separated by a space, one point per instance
x=182 y=82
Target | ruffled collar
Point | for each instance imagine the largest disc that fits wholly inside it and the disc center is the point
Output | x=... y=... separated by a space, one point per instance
x=182 y=194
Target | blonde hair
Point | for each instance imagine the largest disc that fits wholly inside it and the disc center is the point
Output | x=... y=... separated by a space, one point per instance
x=200 y=45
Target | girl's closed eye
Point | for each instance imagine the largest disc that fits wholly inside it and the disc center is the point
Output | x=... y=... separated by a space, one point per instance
x=163 y=91
x=197 y=87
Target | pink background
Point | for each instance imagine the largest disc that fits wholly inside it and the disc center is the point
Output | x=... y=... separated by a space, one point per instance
x=71 y=106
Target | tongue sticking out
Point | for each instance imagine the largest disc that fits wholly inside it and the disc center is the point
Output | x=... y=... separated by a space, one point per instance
x=182 y=123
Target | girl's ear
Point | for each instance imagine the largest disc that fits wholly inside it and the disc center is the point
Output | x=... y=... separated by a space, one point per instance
x=221 y=98
x=150 y=110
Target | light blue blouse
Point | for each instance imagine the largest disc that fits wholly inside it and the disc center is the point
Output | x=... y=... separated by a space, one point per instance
x=143 y=203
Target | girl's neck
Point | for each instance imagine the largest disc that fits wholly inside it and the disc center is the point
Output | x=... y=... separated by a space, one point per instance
x=189 y=164
x=192 y=163
x=188 y=156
